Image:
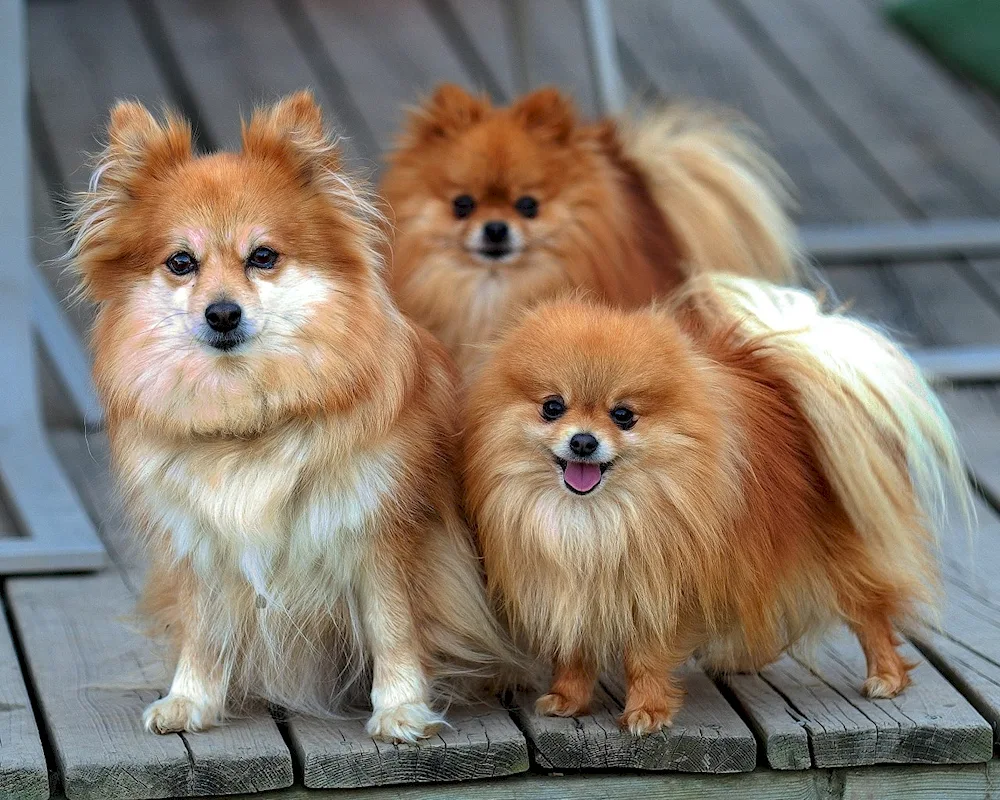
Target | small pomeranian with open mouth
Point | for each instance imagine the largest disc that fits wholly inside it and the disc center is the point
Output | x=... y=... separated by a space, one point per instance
x=721 y=479
x=497 y=209
x=284 y=437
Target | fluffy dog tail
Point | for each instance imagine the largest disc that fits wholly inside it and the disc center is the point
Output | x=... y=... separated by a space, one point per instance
x=883 y=439
x=473 y=653
x=724 y=198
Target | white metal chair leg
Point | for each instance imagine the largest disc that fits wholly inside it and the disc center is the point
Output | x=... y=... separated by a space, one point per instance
x=67 y=353
x=908 y=240
x=58 y=534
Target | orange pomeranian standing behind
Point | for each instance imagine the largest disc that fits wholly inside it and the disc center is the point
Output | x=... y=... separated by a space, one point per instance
x=719 y=481
x=281 y=432
x=498 y=209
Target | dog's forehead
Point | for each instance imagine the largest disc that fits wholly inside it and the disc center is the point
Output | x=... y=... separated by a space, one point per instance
x=499 y=154
x=202 y=237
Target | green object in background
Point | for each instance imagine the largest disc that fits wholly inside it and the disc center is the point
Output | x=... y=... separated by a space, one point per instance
x=964 y=34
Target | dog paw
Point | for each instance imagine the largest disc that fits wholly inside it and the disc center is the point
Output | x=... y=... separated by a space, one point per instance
x=407 y=722
x=554 y=704
x=885 y=685
x=644 y=721
x=176 y=713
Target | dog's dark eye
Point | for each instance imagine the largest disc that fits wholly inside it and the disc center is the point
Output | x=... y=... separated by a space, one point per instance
x=262 y=258
x=527 y=207
x=623 y=417
x=463 y=205
x=181 y=263
x=553 y=408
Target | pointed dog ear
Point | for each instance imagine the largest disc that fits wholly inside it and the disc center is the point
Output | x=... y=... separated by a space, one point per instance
x=292 y=131
x=547 y=113
x=139 y=147
x=448 y=111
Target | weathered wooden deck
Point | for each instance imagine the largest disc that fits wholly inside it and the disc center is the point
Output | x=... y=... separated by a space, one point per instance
x=869 y=129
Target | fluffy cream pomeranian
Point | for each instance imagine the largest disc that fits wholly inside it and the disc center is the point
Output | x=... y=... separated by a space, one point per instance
x=720 y=481
x=283 y=436
x=498 y=209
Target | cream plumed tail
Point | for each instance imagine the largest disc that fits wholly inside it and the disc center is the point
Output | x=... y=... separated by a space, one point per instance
x=723 y=196
x=884 y=441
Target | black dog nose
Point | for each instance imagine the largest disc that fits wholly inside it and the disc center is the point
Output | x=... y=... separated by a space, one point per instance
x=223 y=317
x=496 y=232
x=583 y=444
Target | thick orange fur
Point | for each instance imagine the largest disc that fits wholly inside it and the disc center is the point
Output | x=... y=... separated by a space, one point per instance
x=295 y=494
x=627 y=208
x=781 y=475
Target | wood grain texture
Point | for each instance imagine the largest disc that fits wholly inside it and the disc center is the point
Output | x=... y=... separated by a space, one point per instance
x=892 y=101
x=758 y=785
x=930 y=722
x=250 y=60
x=969 y=782
x=86 y=458
x=976 y=415
x=965 y=646
x=707 y=734
x=557 y=47
x=918 y=304
x=386 y=66
x=779 y=728
x=94 y=677
x=23 y=773
x=966 y=782
x=481 y=743
x=75 y=39
x=694 y=50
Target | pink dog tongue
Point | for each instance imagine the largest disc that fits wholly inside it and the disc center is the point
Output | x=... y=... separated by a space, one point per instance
x=582 y=477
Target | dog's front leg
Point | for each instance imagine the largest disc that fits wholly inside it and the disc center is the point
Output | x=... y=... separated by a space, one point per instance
x=400 y=690
x=197 y=696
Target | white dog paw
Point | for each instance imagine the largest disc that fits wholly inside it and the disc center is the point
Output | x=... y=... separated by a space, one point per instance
x=407 y=722
x=176 y=713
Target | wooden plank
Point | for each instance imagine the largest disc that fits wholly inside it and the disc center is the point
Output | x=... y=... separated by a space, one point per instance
x=966 y=646
x=707 y=734
x=921 y=304
x=98 y=43
x=976 y=415
x=693 y=49
x=988 y=270
x=23 y=773
x=974 y=781
x=557 y=49
x=759 y=785
x=388 y=53
x=237 y=54
x=779 y=728
x=94 y=677
x=465 y=25
x=481 y=743
x=894 y=104
x=86 y=458
x=930 y=722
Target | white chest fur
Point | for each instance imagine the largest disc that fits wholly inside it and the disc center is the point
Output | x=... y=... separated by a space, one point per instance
x=275 y=511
